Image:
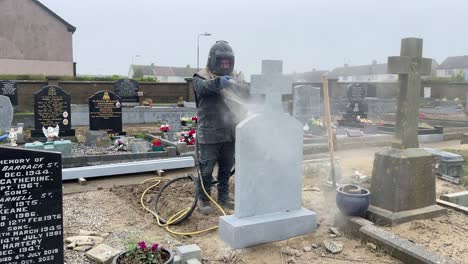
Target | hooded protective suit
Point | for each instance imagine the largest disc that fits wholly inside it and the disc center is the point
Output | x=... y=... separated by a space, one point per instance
x=216 y=122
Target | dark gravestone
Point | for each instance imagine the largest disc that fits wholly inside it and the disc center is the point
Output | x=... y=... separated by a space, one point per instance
x=9 y=89
x=127 y=89
x=31 y=219
x=356 y=94
x=105 y=112
x=403 y=177
x=52 y=108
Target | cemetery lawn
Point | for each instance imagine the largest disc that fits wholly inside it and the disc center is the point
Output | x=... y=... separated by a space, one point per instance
x=112 y=205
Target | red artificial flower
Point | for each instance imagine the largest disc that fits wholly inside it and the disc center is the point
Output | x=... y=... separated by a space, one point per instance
x=142 y=245
x=154 y=247
x=194 y=118
x=192 y=132
x=182 y=139
x=191 y=141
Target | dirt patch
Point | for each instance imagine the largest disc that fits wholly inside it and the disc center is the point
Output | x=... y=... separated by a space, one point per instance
x=446 y=235
x=176 y=197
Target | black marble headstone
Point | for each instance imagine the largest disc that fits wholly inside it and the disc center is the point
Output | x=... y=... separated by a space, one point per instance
x=52 y=108
x=127 y=89
x=105 y=112
x=31 y=218
x=10 y=90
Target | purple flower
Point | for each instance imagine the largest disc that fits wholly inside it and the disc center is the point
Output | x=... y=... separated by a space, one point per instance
x=154 y=247
x=142 y=245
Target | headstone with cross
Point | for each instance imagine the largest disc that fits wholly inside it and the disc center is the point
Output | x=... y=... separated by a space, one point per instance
x=268 y=190
x=403 y=177
x=409 y=66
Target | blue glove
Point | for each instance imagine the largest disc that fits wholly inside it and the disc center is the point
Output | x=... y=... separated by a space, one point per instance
x=224 y=82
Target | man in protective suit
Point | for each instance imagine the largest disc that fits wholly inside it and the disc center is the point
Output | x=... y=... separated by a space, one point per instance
x=216 y=124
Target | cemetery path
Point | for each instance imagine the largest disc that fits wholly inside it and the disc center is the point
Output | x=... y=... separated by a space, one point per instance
x=112 y=205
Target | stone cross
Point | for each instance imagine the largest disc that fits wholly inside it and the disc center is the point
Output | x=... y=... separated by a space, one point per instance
x=272 y=83
x=409 y=66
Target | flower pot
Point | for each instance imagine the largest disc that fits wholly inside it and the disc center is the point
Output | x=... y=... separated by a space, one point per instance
x=352 y=204
x=158 y=148
x=170 y=260
x=183 y=123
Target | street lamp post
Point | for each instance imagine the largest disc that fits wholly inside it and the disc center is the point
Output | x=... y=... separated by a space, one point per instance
x=206 y=34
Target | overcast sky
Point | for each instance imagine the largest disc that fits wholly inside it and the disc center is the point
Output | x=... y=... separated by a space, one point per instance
x=305 y=34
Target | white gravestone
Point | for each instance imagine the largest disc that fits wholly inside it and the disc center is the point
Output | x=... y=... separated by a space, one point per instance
x=268 y=170
x=6 y=114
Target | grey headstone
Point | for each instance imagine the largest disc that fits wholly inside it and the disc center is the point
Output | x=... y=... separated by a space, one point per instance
x=268 y=176
x=306 y=102
x=20 y=133
x=97 y=138
x=6 y=114
x=139 y=145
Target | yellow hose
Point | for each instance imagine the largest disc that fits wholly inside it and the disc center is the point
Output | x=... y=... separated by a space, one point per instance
x=179 y=214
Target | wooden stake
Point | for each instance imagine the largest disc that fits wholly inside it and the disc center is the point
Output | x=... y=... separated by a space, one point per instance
x=326 y=102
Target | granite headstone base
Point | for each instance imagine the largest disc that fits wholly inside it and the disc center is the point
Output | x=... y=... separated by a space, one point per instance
x=403 y=187
x=384 y=217
x=260 y=229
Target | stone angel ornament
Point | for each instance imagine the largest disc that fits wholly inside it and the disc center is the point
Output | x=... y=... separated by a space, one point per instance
x=51 y=133
x=13 y=137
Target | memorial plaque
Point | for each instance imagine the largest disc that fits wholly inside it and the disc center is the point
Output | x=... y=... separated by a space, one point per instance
x=31 y=218
x=105 y=112
x=9 y=89
x=52 y=108
x=127 y=89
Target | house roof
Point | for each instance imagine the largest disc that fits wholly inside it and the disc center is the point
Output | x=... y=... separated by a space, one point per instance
x=310 y=76
x=455 y=62
x=147 y=69
x=52 y=13
x=165 y=70
x=369 y=69
x=359 y=70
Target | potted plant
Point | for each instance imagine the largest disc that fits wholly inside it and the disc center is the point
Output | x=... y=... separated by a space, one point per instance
x=145 y=254
x=317 y=127
x=184 y=120
x=195 y=119
x=188 y=137
x=165 y=128
x=368 y=126
x=157 y=145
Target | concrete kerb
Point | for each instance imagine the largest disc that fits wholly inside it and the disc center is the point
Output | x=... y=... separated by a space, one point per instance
x=453 y=206
x=394 y=245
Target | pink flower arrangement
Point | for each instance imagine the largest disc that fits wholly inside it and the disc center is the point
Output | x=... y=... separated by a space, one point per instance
x=146 y=254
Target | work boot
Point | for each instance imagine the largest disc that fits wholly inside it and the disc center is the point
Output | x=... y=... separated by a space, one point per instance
x=226 y=203
x=205 y=207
